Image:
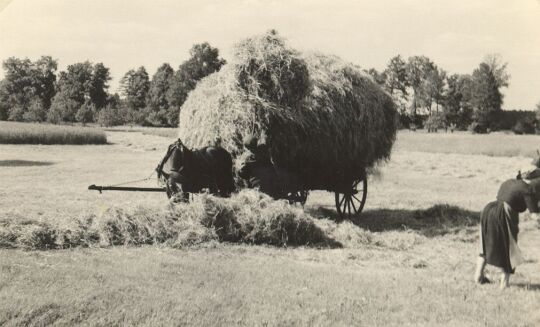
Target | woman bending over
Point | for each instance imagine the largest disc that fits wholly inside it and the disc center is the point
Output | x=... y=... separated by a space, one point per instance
x=499 y=227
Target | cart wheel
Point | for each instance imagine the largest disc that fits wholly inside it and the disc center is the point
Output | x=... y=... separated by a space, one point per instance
x=352 y=202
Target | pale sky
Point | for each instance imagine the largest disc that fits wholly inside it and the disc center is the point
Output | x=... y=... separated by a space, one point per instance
x=456 y=35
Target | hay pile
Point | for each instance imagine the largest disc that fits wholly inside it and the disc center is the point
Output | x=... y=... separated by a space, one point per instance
x=247 y=217
x=322 y=117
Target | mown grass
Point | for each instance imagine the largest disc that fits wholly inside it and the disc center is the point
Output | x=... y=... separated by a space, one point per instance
x=407 y=260
x=31 y=133
x=232 y=285
x=497 y=144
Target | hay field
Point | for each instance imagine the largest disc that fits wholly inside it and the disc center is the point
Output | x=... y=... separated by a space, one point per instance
x=497 y=144
x=407 y=261
x=32 y=133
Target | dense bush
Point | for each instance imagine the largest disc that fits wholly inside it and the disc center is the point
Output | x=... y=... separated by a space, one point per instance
x=154 y=118
x=524 y=127
x=434 y=122
x=110 y=116
x=478 y=128
x=508 y=119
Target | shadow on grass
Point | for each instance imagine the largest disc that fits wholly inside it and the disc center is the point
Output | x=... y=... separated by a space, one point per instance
x=528 y=287
x=437 y=220
x=24 y=163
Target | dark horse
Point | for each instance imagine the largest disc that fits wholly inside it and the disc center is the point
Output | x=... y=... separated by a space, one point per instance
x=187 y=171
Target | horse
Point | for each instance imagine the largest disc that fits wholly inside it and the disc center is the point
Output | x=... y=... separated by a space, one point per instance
x=186 y=171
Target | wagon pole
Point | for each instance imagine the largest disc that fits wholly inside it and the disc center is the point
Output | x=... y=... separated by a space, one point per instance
x=117 y=187
x=129 y=189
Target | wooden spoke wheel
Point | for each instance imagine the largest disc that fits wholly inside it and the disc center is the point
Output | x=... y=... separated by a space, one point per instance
x=352 y=201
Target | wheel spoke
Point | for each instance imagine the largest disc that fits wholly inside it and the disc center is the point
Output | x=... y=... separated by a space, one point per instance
x=357 y=192
x=352 y=203
x=342 y=200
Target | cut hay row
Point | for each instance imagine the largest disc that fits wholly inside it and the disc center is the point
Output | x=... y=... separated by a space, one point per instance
x=321 y=117
x=247 y=217
x=31 y=133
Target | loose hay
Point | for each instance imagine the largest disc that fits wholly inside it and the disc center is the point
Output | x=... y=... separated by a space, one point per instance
x=248 y=217
x=322 y=117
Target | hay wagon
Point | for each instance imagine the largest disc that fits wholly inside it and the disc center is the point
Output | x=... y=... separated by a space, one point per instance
x=323 y=120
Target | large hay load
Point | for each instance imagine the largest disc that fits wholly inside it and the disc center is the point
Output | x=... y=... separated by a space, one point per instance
x=322 y=118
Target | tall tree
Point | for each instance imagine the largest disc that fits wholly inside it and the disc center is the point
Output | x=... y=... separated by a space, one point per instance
x=396 y=76
x=26 y=81
x=81 y=83
x=396 y=83
x=159 y=88
x=98 y=86
x=498 y=69
x=45 y=79
x=418 y=68
x=452 y=99
x=457 y=108
x=76 y=82
x=19 y=82
x=488 y=79
x=537 y=111
x=4 y=101
x=432 y=87
x=134 y=87
x=204 y=60
x=486 y=98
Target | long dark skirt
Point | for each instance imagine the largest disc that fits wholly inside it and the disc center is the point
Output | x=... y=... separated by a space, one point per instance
x=497 y=225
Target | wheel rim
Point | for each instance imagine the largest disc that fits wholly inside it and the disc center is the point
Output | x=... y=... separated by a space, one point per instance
x=351 y=203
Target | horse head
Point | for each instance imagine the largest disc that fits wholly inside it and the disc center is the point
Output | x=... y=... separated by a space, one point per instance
x=174 y=160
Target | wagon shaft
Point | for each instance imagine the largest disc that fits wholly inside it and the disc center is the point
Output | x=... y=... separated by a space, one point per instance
x=125 y=189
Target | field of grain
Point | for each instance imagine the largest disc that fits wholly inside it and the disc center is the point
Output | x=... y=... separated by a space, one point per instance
x=24 y=133
x=408 y=260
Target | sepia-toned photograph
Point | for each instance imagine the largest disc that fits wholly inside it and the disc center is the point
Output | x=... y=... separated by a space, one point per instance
x=269 y=163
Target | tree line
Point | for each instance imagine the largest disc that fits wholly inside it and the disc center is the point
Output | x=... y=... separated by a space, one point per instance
x=33 y=91
x=427 y=94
